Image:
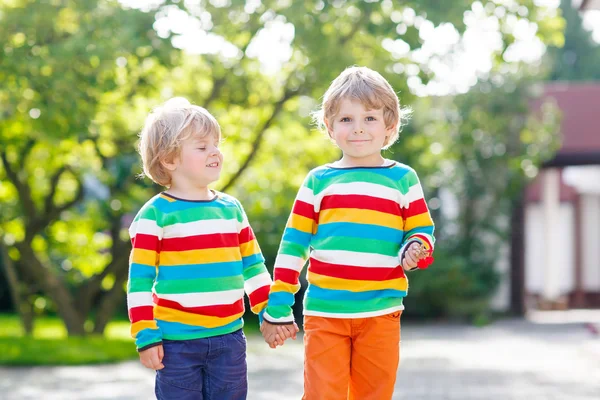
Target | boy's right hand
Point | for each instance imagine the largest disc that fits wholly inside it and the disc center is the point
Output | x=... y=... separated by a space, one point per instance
x=152 y=357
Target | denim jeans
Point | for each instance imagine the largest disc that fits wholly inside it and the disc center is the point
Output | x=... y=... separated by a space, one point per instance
x=212 y=368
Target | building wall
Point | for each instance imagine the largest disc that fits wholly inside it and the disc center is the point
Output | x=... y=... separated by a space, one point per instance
x=590 y=234
x=534 y=248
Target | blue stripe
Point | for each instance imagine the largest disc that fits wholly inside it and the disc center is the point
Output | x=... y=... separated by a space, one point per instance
x=177 y=328
x=194 y=271
x=147 y=336
x=253 y=259
x=362 y=231
x=281 y=299
x=316 y=292
x=421 y=229
x=296 y=236
x=141 y=271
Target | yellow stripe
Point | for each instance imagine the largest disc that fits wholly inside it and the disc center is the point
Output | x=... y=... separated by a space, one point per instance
x=169 y=199
x=301 y=223
x=143 y=256
x=221 y=254
x=259 y=307
x=171 y=315
x=249 y=248
x=327 y=282
x=280 y=286
x=418 y=221
x=138 y=326
x=358 y=216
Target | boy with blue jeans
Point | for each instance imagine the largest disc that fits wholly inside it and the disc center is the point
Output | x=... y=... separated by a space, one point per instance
x=194 y=255
x=361 y=222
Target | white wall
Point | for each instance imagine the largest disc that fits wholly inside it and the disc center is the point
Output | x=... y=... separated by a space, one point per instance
x=534 y=248
x=590 y=235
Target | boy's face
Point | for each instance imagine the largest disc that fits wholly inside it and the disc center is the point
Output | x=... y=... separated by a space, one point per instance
x=199 y=163
x=359 y=133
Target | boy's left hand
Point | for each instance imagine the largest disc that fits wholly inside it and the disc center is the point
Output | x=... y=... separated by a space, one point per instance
x=275 y=335
x=411 y=257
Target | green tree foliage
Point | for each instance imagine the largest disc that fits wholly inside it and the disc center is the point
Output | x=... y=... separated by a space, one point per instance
x=78 y=78
x=579 y=58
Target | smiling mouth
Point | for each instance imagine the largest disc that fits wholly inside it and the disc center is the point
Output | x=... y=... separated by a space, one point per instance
x=213 y=165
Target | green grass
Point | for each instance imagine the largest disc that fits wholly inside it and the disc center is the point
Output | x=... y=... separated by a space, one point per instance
x=50 y=345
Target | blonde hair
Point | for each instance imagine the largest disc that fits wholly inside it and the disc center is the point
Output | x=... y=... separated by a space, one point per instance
x=166 y=127
x=372 y=90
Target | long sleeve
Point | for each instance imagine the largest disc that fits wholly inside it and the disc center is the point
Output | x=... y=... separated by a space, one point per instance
x=257 y=280
x=418 y=224
x=292 y=255
x=146 y=235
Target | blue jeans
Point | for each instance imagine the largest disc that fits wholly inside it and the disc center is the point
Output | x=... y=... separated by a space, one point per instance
x=212 y=368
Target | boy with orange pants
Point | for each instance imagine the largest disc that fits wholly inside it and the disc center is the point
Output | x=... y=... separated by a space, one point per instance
x=361 y=221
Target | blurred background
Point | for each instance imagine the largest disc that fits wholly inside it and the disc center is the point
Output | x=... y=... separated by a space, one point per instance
x=504 y=135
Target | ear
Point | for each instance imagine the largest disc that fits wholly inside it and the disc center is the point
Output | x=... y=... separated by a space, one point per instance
x=329 y=128
x=170 y=165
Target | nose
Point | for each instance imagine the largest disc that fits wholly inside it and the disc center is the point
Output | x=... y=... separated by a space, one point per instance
x=215 y=151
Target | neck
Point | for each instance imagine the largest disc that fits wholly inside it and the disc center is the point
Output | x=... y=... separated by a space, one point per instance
x=193 y=193
x=375 y=160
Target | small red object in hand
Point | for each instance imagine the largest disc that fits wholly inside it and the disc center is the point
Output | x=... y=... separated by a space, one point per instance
x=425 y=258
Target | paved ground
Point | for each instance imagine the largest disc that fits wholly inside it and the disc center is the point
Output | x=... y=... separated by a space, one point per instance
x=509 y=360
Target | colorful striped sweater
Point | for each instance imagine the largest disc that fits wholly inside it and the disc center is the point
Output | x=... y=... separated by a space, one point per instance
x=354 y=225
x=189 y=267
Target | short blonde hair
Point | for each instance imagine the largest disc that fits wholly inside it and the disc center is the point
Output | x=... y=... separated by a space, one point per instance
x=166 y=127
x=372 y=90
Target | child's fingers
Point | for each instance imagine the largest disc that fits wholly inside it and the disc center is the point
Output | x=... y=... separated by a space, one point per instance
x=279 y=340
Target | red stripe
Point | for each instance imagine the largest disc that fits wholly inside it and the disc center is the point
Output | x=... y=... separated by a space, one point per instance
x=221 y=310
x=355 y=273
x=304 y=209
x=423 y=238
x=246 y=235
x=286 y=275
x=361 y=202
x=197 y=242
x=141 y=313
x=415 y=208
x=146 y=242
x=259 y=295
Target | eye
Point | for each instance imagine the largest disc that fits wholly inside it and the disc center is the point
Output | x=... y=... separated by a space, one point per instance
x=345 y=119
x=371 y=119
x=201 y=148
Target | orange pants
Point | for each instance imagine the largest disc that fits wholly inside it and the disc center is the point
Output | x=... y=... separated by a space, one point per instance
x=351 y=358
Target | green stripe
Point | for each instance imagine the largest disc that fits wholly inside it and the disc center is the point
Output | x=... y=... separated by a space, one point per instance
x=147 y=212
x=293 y=249
x=363 y=176
x=350 y=307
x=359 y=245
x=254 y=270
x=279 y=311
x=203 y=213
x=180 y=286
x=140 y=285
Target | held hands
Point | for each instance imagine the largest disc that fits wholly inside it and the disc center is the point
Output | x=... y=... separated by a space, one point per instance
x=275 y=335
x=416 y=256
x=152 y=357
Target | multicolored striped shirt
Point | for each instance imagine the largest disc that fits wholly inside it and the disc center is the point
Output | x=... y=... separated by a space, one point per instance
x=353 y=224
x=189 y=267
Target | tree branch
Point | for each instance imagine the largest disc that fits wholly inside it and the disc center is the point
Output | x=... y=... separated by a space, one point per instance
x=259 y=136
x=22 y=188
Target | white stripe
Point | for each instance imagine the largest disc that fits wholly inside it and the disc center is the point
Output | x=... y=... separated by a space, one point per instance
x=353 y=315
x=267 y=317
x=306 y=195
x=355 y=259
x=289 y=262
x=257 y=281
x=205 y=298
x=203 y=227
x=138 y=299
x=414 y=193
x=146 y=227
x=358 y=188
